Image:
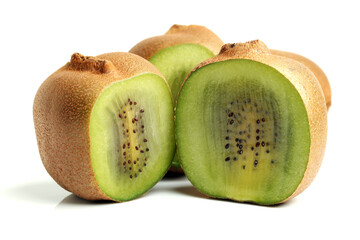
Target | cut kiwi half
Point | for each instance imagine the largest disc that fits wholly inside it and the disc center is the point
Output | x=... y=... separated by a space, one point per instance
x=130 y=139
x=244 y=129
x=105 y=126
x=176 y=53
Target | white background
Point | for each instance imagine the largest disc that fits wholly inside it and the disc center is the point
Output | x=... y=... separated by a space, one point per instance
x=38 y=37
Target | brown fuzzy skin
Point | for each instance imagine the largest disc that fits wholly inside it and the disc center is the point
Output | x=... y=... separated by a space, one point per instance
x=62 y=109
x=318 y=72
x=176 y=35
x=308 y=87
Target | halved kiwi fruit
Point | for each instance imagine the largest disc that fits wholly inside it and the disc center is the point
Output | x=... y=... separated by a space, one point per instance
x=251 y=126
x=105 y=126
x=176 y=53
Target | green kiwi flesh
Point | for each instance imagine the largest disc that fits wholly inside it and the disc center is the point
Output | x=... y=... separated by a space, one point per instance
x=175 y=63
x=132 y=140
x=242 y=132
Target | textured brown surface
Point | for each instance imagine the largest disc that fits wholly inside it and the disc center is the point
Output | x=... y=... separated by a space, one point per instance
x=178 y=34
x=306 y=84
x=62 y=108
x=318 y=72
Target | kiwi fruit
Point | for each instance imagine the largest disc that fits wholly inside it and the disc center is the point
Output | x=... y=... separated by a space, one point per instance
x=251 y=126
x=176 y=53
x=318 y=72
x=105 y=126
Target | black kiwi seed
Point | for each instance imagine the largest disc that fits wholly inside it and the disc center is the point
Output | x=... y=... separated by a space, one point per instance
x=243 y=166
x=227 y=146
x=255 y=163
x=234 y=158
x=240 y=152
x=231 y=121
x=227 y=138
x=231 y=114
x=227 y=159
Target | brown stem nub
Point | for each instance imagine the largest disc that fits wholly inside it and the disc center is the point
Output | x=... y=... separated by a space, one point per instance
x=80 y=62
x=251 y=46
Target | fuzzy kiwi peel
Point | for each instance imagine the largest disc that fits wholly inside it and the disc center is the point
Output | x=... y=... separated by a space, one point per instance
x=251 y=125
x=176 y=53
x=104 y=126
x=318 y=72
